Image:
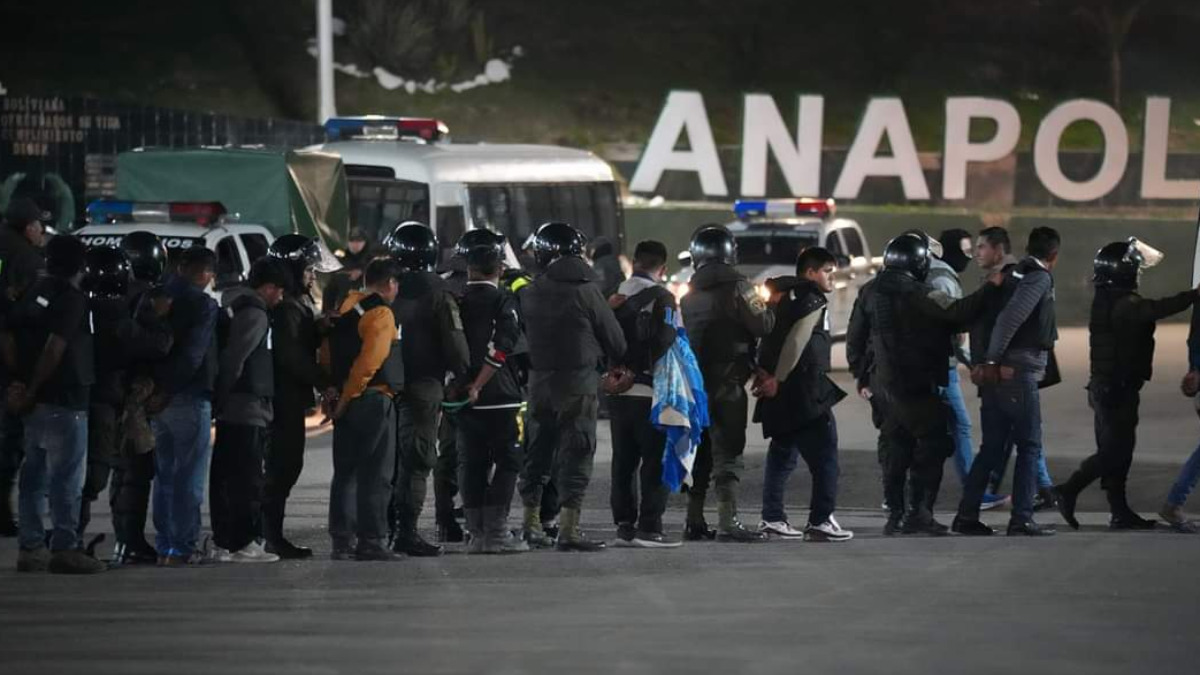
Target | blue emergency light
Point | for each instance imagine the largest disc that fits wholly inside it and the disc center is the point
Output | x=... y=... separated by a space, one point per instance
x=384 y=127
x=108 y=211
x=785 y=208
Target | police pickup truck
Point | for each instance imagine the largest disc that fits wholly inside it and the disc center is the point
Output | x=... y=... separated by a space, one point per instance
x=770 y=236
x=181 y=225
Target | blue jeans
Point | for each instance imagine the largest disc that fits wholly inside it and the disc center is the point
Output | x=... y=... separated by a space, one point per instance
x=960 y=425
x=182 y=448
x=56 y=442
x=1011 y=411
x=817 y=443
x=1186 y=482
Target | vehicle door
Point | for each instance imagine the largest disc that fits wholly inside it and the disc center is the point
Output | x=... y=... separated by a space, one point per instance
x=859 y=272
x=840 y=301
x=232 y=262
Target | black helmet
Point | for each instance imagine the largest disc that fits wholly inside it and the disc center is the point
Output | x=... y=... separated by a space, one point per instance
x=1119 y=264
x=301 y=253
x=908 y=253
x=713 y=244
x=414 y=246
x=556 y=240
x=65 y=256
x=146 y=255
x=106 y=272
x=480 y=237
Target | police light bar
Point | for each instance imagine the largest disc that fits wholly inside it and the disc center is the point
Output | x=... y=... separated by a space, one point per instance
x=804 y=206
x=108 y=211
x=381 y=127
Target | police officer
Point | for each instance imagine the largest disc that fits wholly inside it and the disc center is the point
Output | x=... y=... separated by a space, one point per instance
x=297 y=340
x=571 y=329
x=133 y=472
x=724 y=317
x=119 y=339
x=1121 y=336
x=906 y=326
x=445 y=474
x=367 y=363
x=434 y=346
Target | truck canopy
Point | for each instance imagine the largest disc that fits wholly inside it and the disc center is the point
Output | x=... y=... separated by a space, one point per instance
x=284 y=190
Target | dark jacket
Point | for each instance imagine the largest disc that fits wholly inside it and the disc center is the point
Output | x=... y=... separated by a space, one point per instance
x=609 y=274
x=191 y=367
x=297 y=342
x=246 y=374
x=909 y=329
x=122 y=340
x=570 y=327
x=805 y=393
x=433 y=342
x=1121 y=333
x=52 y=306
x=20 y=265
x=724 y=317
x=492 y=323
x=643 y=320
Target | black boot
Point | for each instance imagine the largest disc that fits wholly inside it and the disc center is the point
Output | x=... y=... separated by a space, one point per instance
x=409 y=542
x=895 y=523
x=449 y=532
x=272 y=531
x=1065 y=498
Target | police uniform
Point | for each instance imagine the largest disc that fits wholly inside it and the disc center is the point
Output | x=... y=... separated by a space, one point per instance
x=434 y=346
x=364 y=442
x=724 y=317
x=445 y=474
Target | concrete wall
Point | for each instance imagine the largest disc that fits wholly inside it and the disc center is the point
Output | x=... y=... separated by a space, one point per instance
x=1082 y=237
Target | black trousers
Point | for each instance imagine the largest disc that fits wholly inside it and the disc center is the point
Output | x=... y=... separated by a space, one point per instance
x=364 y=464
x=489 y=443
x=129 y=497
x=1115 y=419
x=12 y=452
x=284 y=463
x=916 y=434
x=236 y=484
x=102 y=456
x=445 y=473
x=416 y=449
x=637 y=448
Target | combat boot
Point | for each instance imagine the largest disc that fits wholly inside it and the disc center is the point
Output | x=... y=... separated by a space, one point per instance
x=531 y=529
x=75 y=562
x=569 y=536
x=272 y=530
x=730 y=529
x=450 y=532
x=476 y=534
x=498 y=538
x=33 y=560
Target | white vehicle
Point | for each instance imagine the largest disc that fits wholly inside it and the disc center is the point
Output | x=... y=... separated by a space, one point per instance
x=771 y=234
x=181 y=225
x=406 y=169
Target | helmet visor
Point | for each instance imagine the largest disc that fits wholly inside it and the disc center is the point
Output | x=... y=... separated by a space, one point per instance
x=935 y=248
x=327 y=262
x=1149 y=255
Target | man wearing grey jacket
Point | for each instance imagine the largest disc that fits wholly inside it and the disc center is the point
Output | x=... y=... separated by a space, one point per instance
x=242 y=405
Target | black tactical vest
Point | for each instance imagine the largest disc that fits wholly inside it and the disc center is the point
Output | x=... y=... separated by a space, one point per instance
x=711 y=316
x=345 y=346
x=422 y=296
x=1122 y=355
x=910 y=349
x=258 y=372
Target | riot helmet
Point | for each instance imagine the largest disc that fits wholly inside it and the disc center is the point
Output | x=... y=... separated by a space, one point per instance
x=557 y=240
x=146 y=254
x=301 y=254
x=909 y=254
x=414 y=246
x=479 y=237
x=106 y=272
x=65 y=256
x=1119 y=264
x=713 y=244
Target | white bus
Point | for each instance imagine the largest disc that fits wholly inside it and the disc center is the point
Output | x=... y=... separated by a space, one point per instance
x=406 y=169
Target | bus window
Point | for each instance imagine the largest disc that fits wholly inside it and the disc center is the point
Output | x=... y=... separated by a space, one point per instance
x=518 y=210
x=450 y=225
x=376 y=206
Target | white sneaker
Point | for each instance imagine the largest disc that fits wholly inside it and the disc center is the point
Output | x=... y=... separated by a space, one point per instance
x=827 y=531
x=254 y=553
x=779 y=528
x=219 y=555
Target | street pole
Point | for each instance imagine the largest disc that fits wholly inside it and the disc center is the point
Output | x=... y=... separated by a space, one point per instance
x=325 y=103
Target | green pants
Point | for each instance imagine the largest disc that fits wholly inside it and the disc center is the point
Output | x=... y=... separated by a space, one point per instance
x=562 y=443
x=416 y=448
x=719 y=457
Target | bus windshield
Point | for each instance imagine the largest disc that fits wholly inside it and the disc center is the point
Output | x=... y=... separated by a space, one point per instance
x=517 y=210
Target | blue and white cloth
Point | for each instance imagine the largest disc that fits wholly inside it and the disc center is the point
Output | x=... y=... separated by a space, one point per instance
x=680 y=408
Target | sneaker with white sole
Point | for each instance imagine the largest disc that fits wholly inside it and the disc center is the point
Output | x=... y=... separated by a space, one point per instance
x=219 y=555
x=779 y=528
x=829 y=530
x=655 y=540
x=253 y=553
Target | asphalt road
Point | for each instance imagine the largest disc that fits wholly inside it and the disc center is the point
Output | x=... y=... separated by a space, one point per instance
x=1082 y=602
